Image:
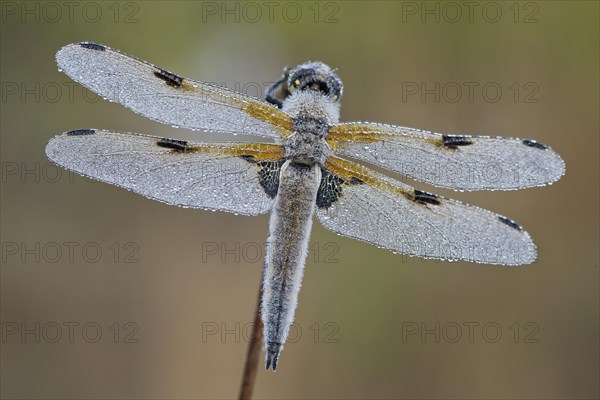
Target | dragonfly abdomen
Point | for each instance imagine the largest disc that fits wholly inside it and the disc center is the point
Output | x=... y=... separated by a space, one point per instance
x=289 y=231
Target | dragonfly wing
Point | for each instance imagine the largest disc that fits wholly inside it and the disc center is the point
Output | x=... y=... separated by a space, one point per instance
x=450 y=161
x=165 y=97
x=234 y=177
x=356 y=202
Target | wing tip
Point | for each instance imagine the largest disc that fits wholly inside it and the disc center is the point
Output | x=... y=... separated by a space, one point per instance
x=556 y=164
x=50 y=149
x=85 y=45
x=562 y=167
x=52 y=152
x=62 y=53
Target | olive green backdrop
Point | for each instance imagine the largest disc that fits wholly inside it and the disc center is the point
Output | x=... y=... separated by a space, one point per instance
x=106 y=294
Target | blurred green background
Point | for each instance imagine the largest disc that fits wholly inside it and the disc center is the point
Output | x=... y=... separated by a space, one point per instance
x=173 y=290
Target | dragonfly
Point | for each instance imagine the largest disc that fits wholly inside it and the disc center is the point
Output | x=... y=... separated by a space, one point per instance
x=302 y=168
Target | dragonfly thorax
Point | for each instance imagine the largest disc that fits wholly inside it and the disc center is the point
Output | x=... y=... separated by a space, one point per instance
x=313 y=114
x=306 y=148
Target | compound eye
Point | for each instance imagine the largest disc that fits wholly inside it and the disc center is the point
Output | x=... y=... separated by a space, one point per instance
x=294 y=85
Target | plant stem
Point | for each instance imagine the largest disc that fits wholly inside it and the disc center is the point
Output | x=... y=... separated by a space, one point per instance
x=252 y=356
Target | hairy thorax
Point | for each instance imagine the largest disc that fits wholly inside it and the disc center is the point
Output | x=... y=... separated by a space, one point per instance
x=313 y=114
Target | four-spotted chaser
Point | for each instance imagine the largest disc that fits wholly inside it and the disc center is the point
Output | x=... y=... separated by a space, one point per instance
x=304 y=170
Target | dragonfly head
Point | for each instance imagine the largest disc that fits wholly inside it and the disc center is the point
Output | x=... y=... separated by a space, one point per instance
x=315 y=75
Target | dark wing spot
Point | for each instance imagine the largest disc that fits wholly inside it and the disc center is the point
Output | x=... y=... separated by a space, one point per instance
x=92 y=46
x=426 y=198
x=510 y=223
x=355 y=181
x=268 y=174
x=534 y=144
x=178 y=145
x=169 y=77
x=81 y=132
x=330 y=189
x=452 y=141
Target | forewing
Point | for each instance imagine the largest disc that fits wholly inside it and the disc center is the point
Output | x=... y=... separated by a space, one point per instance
x=234 y=177
x=450 y=161
x=356 y=202
x=165 y=97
